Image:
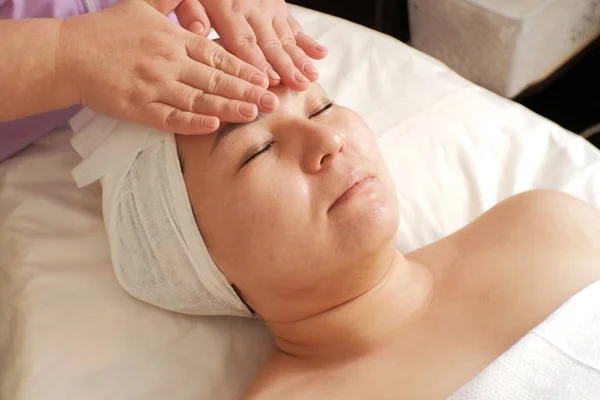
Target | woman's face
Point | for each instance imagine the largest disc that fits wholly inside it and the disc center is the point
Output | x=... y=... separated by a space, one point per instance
x=294 y=205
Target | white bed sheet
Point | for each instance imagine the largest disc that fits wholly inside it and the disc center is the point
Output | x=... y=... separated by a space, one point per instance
x=69 y=332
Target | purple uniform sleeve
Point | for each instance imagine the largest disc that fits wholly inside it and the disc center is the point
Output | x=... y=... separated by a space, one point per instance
x=16 y=135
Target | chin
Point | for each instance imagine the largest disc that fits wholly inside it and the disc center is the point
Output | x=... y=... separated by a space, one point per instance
x=370 y=224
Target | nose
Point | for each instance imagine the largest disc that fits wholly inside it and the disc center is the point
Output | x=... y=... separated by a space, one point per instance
x=322 y=145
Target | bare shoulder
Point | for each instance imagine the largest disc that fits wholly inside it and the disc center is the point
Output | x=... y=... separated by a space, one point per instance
x=537 y=217
x=554 y=204
x=545 y=217
x=522 y=259
x=533 y=251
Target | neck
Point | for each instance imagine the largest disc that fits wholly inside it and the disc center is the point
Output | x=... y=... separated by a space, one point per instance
x=393 y=305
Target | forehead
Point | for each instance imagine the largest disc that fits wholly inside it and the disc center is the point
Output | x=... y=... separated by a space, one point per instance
x=285 y=96
x=198 y=145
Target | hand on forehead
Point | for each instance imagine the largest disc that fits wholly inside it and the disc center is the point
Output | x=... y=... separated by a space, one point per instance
x=291 y=102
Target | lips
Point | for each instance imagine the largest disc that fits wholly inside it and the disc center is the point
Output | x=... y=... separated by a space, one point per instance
x=351 y=183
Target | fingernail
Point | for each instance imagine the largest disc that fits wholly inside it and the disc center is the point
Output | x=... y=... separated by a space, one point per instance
x=268 y=100
x=309 y=68
x=197 y=27
x=300 y=78
x=259 y=79
x=320 y=48
x=272 y=74
x=211 y=123
x=248 y=110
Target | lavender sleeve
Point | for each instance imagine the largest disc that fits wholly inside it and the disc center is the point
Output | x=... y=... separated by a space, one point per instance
x=16 y=135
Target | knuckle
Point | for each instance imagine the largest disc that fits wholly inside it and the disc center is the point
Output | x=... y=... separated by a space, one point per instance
x=251 y=93
x=151 y=40
x=167 y=54
x=240 y=70
x=288 y=42
x=217 y=82
x=226 y=109
x=159 y=42
x=235 y=108
x=217 y=57
x=245 y=40
x=201 y=119
x=171 y=118
x=237 y=7
x=271 y=43
x=149 y=71
x=181 y=95
x=135 y=98
x=297 y=31
x=144 y=70
x=298 y=57
x=197 y=100
x=140 y=94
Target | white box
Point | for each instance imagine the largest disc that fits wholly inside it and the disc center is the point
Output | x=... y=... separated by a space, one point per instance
x=504 y=45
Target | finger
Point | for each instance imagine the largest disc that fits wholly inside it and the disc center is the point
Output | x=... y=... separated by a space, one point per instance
x=186 y=98
x=210 y=53
x=217 y=82
x=239 y=38
x=310 y=47
x=299 y=58
x=225 y=109
x=165 y=7
x=192 y=16
x=171 y=119
x=273 y=50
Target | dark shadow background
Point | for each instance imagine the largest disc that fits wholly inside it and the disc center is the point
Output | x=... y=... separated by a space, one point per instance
x=387 y=16
x=571 y=97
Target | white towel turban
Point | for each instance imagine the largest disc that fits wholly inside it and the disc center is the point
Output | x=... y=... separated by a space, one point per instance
x=157 y=251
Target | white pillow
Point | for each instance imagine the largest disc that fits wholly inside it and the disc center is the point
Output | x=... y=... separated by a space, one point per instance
x=454 y=150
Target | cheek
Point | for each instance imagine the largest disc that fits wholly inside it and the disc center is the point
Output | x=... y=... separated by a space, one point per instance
x=255 y=224
x=379 y=217
x=357 y=133
x=361 y=140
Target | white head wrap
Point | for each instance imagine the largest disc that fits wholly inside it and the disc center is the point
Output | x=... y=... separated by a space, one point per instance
x=157 y=250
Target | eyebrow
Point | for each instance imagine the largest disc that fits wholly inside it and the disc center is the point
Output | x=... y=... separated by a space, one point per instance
x=230 y=127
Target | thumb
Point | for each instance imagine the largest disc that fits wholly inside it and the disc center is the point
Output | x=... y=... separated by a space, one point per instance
x=192 y=16
x=163 y=6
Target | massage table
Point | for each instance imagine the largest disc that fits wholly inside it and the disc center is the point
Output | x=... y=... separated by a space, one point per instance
x=68 y=331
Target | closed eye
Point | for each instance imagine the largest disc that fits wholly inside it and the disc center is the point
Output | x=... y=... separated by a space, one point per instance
x=267 y=147
x=260 y=151
x=323 y=109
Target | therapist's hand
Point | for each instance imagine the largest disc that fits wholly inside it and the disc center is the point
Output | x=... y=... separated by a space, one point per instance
x=190 y=14
x=264 y=34
x=130 y=62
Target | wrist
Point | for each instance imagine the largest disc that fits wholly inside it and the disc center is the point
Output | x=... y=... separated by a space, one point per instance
x=66 y=65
